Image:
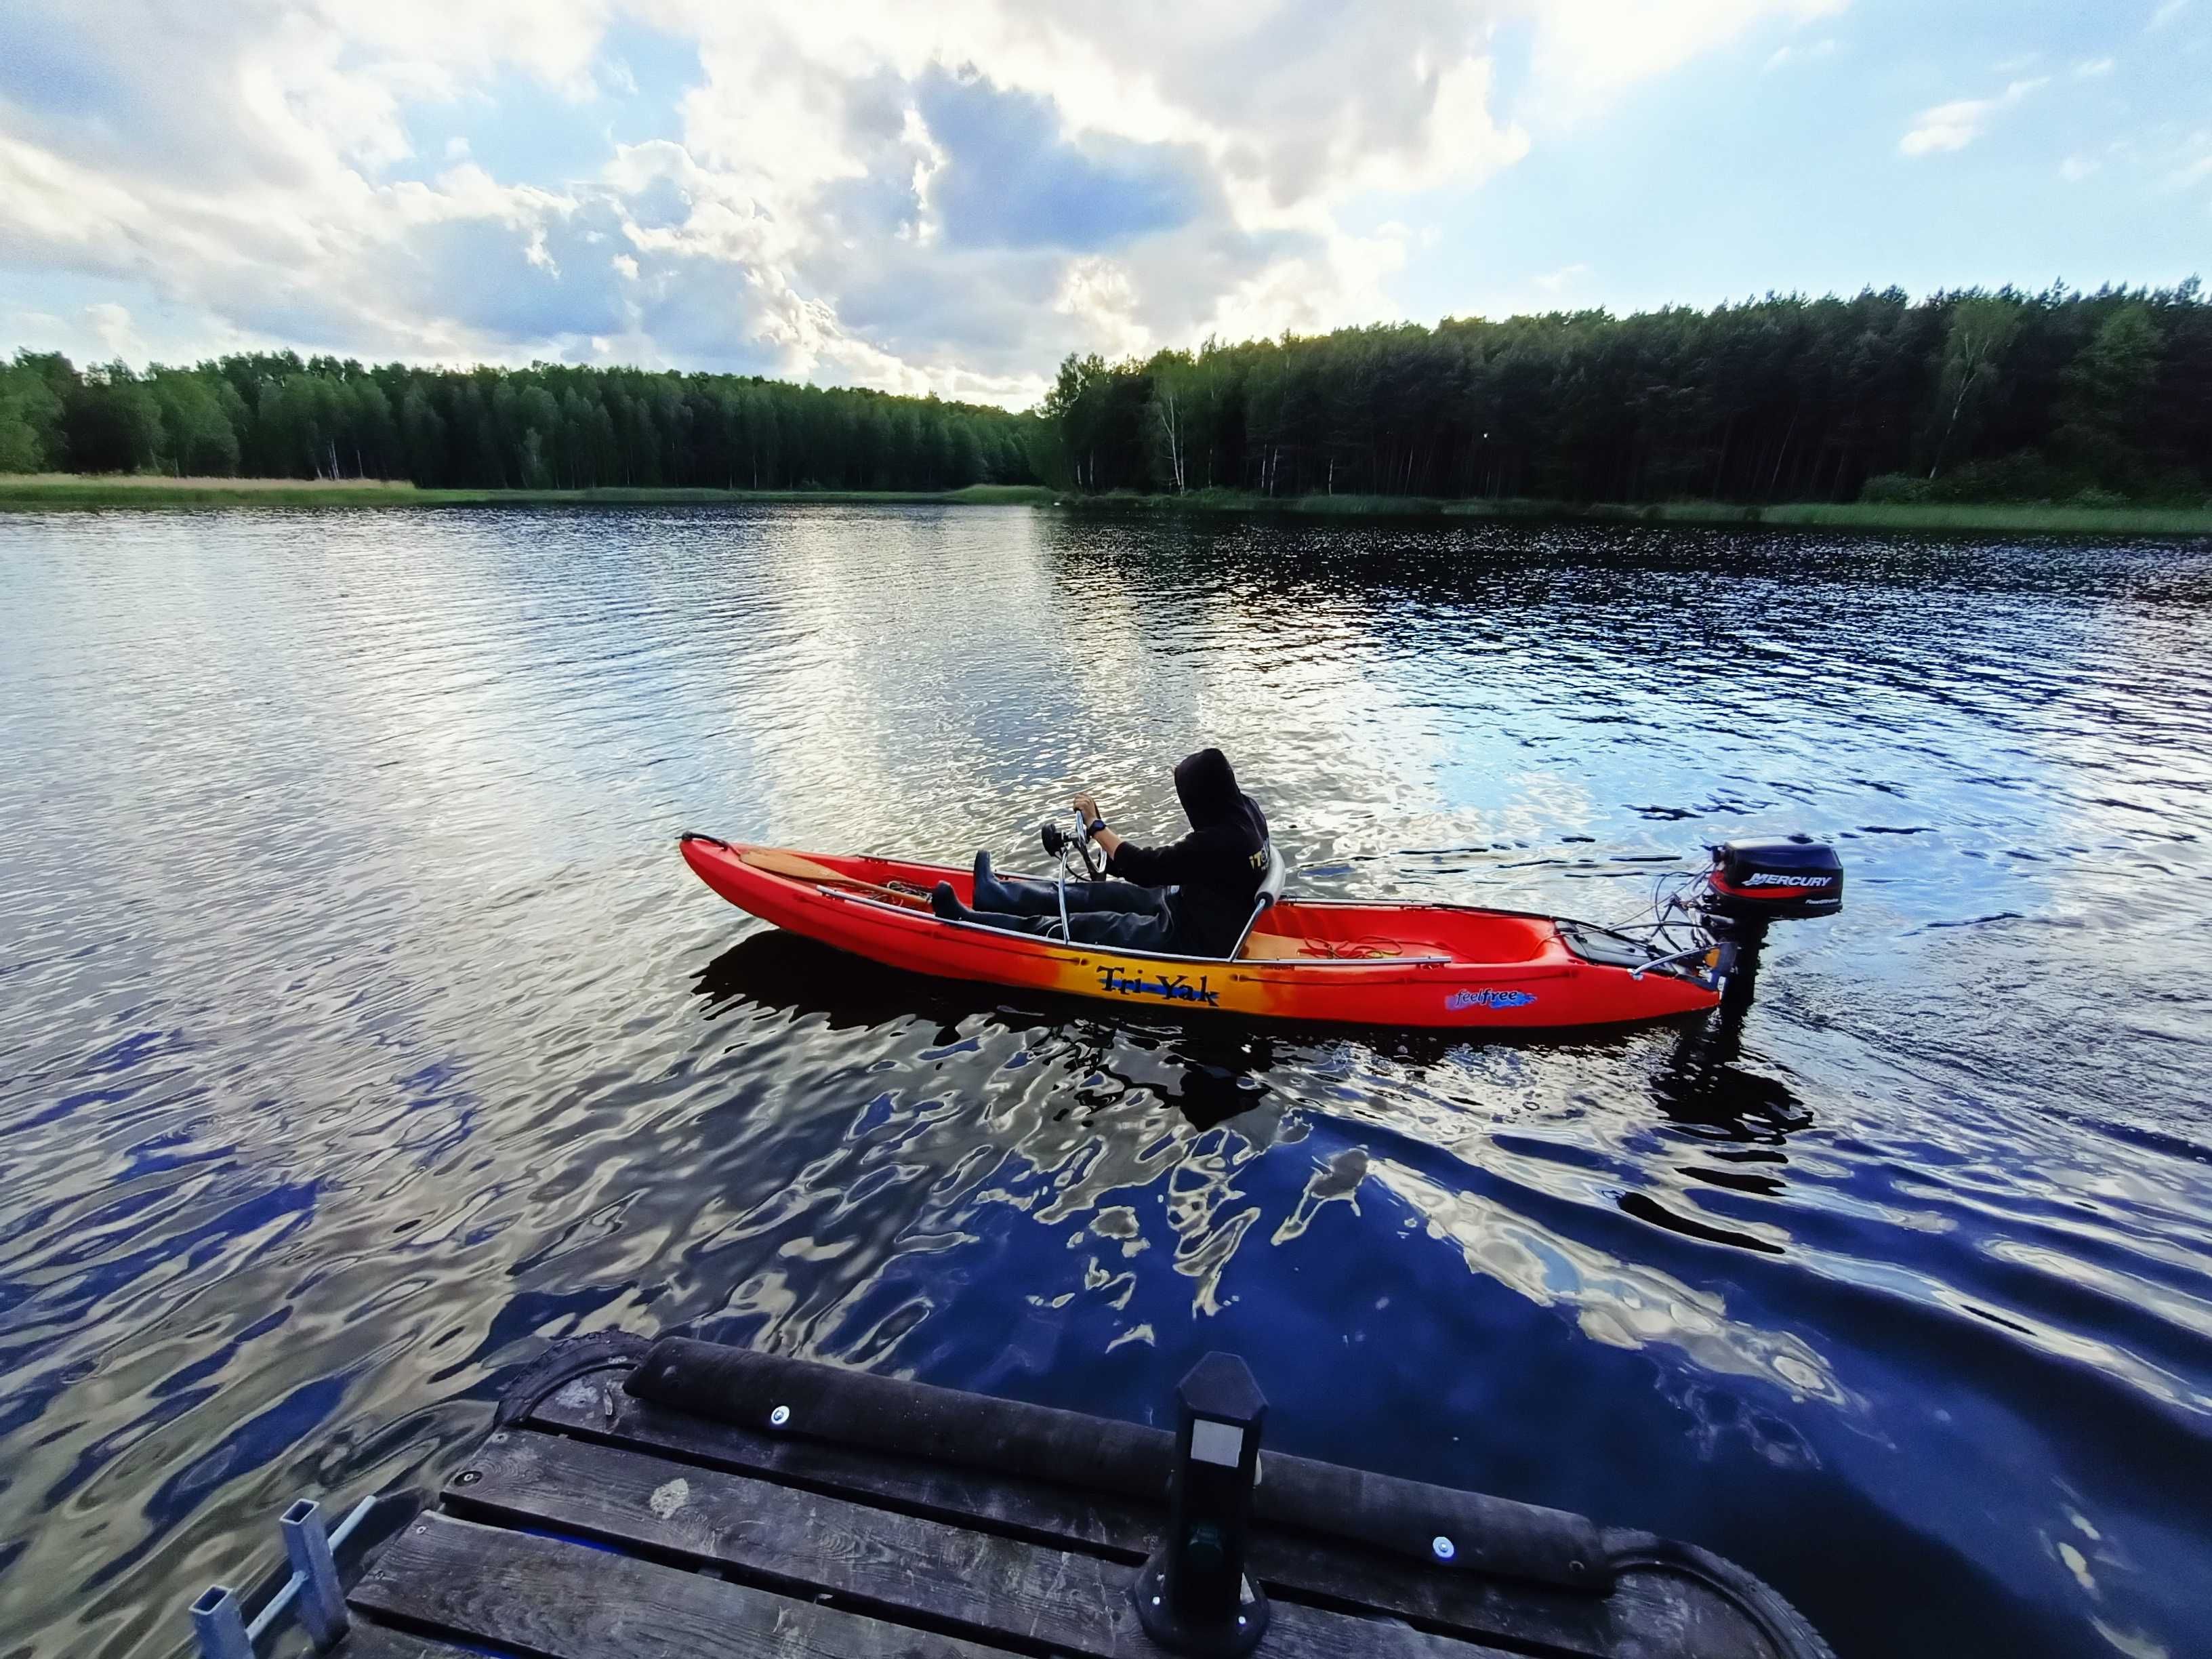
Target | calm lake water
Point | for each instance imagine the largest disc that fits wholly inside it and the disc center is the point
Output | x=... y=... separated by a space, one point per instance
x=361 y=1029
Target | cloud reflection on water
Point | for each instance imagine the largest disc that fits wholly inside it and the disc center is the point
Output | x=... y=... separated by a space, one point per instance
x=352 y=979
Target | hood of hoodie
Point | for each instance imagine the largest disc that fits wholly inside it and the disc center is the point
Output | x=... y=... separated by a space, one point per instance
x=1207 y=789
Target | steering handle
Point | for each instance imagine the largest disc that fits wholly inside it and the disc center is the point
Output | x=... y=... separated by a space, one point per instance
x=1087 y=848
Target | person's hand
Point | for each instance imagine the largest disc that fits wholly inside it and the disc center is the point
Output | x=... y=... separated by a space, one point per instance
x=1087 y=807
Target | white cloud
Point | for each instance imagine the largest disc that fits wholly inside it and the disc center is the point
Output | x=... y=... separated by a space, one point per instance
x=1587 y=49
x=1954 y=125
x=1947 y=126
x=805 y=209
x=40 y=327
x=1552 y=281
x=2074 y=169
x=111 y=322
x=2166 y=14
x=2088 y=68
x=1783 y=55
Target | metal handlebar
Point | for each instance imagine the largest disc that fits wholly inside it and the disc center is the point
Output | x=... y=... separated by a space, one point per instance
x=1666 y=962
x=1059 y=882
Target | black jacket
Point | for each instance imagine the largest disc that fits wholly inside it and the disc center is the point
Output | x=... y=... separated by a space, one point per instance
x=1216 y=870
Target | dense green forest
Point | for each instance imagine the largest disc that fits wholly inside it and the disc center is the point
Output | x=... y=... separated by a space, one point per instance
x=2059 y=396
x=545 y=428
x=1971 y=395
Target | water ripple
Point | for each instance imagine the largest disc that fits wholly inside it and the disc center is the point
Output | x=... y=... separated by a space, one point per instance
x=362 y=1032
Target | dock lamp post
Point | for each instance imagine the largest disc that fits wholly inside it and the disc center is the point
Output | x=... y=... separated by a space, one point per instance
x=1193 y=1596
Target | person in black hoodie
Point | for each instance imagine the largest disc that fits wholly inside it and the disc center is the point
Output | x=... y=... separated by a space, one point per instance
x=1190 y=898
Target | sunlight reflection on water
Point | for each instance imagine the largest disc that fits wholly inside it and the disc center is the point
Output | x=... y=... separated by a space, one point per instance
x=363 y=1029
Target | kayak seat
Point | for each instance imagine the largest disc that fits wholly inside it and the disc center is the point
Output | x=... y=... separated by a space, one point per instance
x=1271 y=889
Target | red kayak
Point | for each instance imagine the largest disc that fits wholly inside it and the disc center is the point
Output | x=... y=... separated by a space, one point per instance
x=1445 y=965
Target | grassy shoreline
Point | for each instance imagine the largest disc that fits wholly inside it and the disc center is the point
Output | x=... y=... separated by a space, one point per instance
x=52 y=490
x=2028 y=518
x=73 y=490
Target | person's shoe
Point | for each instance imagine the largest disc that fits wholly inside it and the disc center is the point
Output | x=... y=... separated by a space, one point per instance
x=944 y=903
x=990 y=892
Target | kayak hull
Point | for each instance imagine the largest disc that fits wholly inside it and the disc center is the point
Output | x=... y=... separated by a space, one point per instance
x=1425 y=966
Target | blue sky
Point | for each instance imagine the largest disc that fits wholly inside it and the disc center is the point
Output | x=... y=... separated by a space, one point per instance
x=1777 y=162
x=951 y=198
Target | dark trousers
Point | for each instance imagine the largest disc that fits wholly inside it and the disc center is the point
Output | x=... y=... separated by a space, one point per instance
x=1113 y=913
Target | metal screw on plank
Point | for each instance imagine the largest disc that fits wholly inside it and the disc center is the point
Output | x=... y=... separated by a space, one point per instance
x=1444 y=1546
x=467 y=1478
x=220 y=1625
x=780 y=1416
x=322 y=1601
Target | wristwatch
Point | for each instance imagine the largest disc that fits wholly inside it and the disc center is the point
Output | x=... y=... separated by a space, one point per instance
x=1094 y=826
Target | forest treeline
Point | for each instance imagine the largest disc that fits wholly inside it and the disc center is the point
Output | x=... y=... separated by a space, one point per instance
x=1973 y=396
x=273 y=416
x=1969 y=396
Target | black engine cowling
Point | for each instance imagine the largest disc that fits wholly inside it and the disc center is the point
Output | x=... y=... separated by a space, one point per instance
x=1774 y=880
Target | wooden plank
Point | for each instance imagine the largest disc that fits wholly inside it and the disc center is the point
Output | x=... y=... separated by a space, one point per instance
x=994 y=1589
x=1272 y=947
x=1019 y=1509
x=366 y=1641
x=550 y=1599
x=778 y=861
x=1526 y=1616
x=797 y=867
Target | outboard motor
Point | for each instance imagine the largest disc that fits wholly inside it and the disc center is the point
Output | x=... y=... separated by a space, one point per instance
x=1754 y=883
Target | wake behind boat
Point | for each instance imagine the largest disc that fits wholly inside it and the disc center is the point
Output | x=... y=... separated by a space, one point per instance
x=1409 y=965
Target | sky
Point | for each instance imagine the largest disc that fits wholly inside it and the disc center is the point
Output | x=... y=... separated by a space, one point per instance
x=950 y=198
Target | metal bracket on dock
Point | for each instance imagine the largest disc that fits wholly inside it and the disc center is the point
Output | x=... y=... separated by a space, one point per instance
x=314 y=1579
x=312 y=1594
x=218 y=1626
x=1193 y=1596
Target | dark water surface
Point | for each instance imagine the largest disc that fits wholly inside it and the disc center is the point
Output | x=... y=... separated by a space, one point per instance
x=361 y=1030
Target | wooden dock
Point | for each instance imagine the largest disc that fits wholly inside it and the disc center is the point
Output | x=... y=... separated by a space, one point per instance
x=702 y=1502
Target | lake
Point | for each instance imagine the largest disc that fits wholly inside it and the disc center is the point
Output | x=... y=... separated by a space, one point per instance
x=361 y=1029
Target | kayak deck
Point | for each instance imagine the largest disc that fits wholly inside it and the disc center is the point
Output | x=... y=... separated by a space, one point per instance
x=1383 y=964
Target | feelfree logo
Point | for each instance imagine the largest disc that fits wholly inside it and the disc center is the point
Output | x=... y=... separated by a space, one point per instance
x=1462 y=1000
